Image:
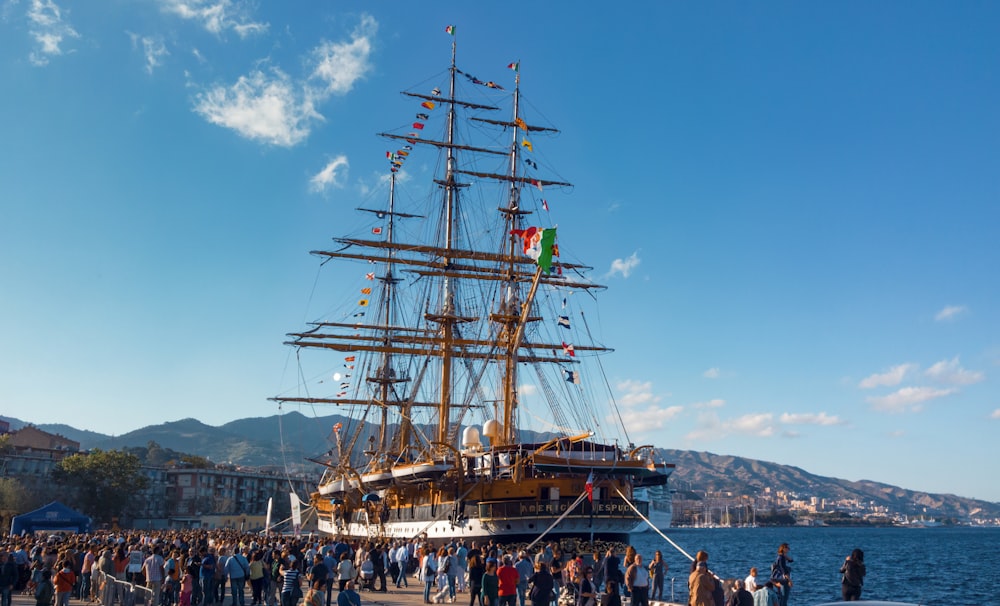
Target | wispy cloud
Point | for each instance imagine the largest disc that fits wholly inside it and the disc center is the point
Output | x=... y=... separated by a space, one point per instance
x=637 y=392
x=908 y=399
x=331 y=175
x=338 y=65
x=273 y=108
x=820 y=418
x=153 y=49
x=265 y=107
x=624 y=266
x=950 y=371
x=995 y=414
x=711 y=427
x=640 y=411
x=527 y=389
x=217 y=16
x=950 y=312
x=894 y=376
x=712 y=373
x=716 y=403
x=49 y=29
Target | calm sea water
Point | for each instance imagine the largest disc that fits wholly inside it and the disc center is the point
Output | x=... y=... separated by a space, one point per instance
x=936 y=566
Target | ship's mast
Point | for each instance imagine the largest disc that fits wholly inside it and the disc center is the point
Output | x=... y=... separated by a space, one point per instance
x=512 y=306
x=447 y=316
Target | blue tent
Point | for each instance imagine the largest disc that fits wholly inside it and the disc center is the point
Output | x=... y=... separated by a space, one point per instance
x=54 y=516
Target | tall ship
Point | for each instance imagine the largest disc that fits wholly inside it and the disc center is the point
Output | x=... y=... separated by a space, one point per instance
x=475 y=400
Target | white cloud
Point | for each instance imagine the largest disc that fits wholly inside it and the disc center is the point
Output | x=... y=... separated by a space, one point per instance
x=950 y=371
x=49 y=30
x=712 y=373
x=810 y=419
x=217 y=16
x=273 y=108
x=527 y=390
x=894 y=376
x=995 y=414
x=263 y=107
x=710 y=427
x=153 y=49
x=330 y=176
x=639 y=410
x=716 y=403
x=637 y=392
x=624 y=266
x=899 y=433
x=908 y=399
x=950 y=312
x=338 y=65
x=759 y=424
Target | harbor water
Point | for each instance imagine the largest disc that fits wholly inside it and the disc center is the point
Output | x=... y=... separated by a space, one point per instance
x=947 y=566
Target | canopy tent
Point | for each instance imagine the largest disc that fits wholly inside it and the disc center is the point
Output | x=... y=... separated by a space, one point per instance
x=54 y=516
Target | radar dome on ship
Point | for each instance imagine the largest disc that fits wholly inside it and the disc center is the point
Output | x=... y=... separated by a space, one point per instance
x=491 y=429
x=470 y=439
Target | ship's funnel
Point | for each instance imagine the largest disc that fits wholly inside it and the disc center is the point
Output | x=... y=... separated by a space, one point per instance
x=470 y=439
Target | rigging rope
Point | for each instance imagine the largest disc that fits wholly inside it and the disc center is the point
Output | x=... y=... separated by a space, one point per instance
x=569 y=510
x=607 y=383
x=653 y=526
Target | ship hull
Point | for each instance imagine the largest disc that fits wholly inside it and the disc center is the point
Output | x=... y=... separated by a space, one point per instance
x=508 y=510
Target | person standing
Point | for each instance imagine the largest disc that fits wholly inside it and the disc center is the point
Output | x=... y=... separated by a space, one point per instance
x=403 y=561
x=348 y=597
x=44 y=590
x=525 y=570
x=701 y=586
x=207 y=577
x=751 y=581
x=740 y=596
x=476 y=571
x=507 y=579
x=781 y=574
x=8 y=578
x=256 y=578
x=238 y=569
x=637 y=581
x=65 y=579
x=491 y=584
x=316 y=596
x=658 y=571
x=610 y=567
x=462 y=562
x=152 y=569
x=853 y=578
x=766 y=595
x=428 y=572
x=542 y=585
x=291 y=588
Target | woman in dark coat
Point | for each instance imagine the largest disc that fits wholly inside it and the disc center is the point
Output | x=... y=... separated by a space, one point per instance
x=476 y=572
x=854 y=576
x=541 y=584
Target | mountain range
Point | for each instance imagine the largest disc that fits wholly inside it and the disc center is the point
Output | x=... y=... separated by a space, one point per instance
x=288 y=440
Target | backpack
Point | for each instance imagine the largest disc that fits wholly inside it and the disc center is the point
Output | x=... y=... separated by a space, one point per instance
x=447 y=564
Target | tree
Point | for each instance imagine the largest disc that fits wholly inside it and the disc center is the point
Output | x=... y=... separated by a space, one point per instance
x=103 y=482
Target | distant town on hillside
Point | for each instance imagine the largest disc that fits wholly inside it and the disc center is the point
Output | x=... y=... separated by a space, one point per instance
x=205 y=475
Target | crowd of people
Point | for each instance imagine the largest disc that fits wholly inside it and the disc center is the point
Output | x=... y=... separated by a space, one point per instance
x=202 y=568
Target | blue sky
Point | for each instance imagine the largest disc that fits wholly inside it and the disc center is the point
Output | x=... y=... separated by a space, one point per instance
x=795 y=206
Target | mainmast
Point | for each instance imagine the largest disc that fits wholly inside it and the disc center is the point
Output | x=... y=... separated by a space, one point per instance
x=447 y=316
x=511 y=305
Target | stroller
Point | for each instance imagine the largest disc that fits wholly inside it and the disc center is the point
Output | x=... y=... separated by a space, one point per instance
x=366 y=577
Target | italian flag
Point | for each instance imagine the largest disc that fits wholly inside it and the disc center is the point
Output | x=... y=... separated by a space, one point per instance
x=450 y=30
x=539 y=244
